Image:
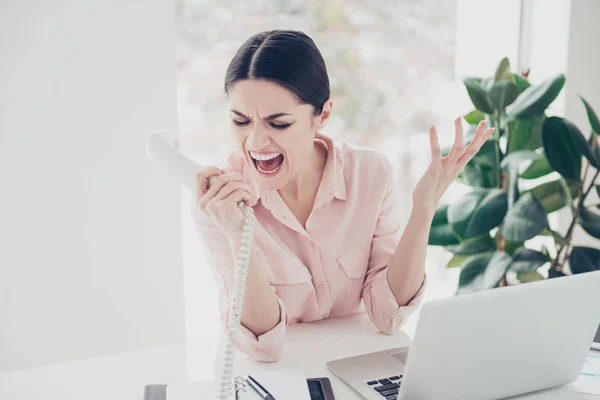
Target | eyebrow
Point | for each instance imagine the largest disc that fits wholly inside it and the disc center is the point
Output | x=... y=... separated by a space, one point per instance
x=269 y=118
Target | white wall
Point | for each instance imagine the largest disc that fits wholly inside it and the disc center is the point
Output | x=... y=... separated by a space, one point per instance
x=90 y=230
x=582 y=79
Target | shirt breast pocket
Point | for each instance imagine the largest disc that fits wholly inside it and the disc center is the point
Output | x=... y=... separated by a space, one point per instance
x=354 y=265
x=292 y=283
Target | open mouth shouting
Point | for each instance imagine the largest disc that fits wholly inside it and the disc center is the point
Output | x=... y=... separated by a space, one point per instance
x=267 y=163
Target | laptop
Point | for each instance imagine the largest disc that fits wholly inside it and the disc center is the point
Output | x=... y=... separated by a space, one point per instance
x=490 y=344
x=596 y=343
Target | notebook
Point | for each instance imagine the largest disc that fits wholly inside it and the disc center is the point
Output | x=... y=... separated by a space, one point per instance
x=283 y=385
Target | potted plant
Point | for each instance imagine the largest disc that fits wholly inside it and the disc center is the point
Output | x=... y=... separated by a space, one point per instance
x=488 y=228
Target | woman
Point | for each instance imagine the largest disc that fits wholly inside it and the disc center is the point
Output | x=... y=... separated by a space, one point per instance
x=328 y=223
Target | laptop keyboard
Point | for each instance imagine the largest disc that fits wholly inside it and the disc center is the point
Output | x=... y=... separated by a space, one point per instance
x=387 y=387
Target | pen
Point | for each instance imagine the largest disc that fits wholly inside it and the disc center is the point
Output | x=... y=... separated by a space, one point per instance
x=258 y=388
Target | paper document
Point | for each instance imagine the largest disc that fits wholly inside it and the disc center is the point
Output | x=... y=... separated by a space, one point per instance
x=589 y=379
x=283 y=385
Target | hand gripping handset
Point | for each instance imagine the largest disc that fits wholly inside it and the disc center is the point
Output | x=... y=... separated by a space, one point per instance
x=164 y=151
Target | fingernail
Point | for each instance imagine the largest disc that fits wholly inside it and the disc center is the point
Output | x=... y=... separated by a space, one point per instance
x=222 y=171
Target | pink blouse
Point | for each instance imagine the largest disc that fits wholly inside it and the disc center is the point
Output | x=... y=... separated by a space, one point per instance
x=326 y=270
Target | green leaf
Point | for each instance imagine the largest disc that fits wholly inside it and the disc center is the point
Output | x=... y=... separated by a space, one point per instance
x=521 y=82
x=441 y=233
x=549 y=194
x=534 y=100
x=487 y=83
x=503 y=70
x=525 y=219
x=511 y=247
x=584 y=259
x=594 y=148
x=590 y=222
x=582 y=144
x=441 y=215
x=594 y=122
x=477 y=212
x=471 y=275
x=515 y=158
x=560 y=148
x=457 y=261
x=531 y=276
x=558 y=239
x=552 y=273
x=478 y=95
x=527 y=260
x=513 y=187
x=546 y=252
x=565 y=194
x=538 y=168
x=481 y=170
x=479 y=177
x=442 y=236
x=474 y=117
x=496 y=269
x=486 y=156
x=474 y=245
x=526 y=134
x=503 y=93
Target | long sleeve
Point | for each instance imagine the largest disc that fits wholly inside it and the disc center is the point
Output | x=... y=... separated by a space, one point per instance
x=381 y=305
x=266 y=347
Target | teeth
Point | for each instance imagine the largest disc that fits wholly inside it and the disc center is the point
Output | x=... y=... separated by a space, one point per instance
x=265 y=156
x=268 y=172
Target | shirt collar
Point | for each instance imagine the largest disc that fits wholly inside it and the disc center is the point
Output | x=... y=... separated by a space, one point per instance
x=333 y=183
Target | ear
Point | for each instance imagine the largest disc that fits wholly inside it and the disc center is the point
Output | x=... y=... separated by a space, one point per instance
x=324 y=116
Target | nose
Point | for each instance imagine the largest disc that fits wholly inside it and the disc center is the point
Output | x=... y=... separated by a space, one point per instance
x=258 y=139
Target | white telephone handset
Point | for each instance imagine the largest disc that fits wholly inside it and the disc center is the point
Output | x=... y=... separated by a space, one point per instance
x=164 y=151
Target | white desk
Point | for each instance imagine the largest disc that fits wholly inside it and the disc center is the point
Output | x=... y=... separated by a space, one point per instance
x=310 y=346
x=123 y=376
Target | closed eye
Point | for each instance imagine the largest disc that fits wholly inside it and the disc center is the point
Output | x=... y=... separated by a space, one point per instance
x=239 y=123
x=275 y=126
x=284 y=126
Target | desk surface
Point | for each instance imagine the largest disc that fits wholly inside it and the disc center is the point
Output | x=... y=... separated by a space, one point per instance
x=123 y=376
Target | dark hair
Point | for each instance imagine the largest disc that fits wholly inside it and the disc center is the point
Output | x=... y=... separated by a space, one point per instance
x=289 y=58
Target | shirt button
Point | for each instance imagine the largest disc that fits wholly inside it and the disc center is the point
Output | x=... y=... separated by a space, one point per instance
x=322 y=287
x=324 y=315
x=314 y=245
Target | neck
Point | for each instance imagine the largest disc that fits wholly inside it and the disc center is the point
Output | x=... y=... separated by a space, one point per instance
x=304 y=185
